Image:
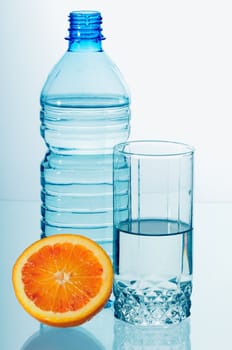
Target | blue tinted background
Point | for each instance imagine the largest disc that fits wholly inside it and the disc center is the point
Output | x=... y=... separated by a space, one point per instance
x=175 y=55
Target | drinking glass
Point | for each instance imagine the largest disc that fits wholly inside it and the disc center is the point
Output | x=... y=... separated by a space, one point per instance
x=152 y=247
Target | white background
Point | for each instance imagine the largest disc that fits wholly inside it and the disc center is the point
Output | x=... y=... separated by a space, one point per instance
x=177 y=60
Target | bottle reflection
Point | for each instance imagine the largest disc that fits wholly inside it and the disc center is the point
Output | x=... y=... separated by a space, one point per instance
x=49 y=338
x=130 y=337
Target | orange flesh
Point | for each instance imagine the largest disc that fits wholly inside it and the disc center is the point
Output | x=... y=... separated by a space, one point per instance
x=62 y=277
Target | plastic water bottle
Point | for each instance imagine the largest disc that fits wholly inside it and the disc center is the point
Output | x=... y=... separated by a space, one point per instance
x=85 y=111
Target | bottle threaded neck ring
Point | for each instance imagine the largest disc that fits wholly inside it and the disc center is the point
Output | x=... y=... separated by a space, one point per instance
x=85 y=25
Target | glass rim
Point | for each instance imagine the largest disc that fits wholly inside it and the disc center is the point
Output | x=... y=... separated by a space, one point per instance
x=184 y=148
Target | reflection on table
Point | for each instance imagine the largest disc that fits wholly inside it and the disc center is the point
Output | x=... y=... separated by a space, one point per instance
x=173 y=337
x=62 y=339
x=94 y=336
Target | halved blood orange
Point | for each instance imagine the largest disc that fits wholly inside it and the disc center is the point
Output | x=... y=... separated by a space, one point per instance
x=63 y=280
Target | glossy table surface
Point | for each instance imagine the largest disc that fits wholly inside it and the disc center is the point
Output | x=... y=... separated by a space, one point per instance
x=208 y=328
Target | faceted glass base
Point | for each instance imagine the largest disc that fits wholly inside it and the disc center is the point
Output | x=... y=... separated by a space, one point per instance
x=150 y=306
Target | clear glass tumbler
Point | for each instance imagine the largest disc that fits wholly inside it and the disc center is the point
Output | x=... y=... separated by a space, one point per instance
x=152 y=248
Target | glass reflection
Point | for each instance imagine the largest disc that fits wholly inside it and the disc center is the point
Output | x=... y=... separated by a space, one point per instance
x=130 y=337
x=49 y=338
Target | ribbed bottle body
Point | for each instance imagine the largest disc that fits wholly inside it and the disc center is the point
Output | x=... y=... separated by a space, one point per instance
x=84 y=124
x=76 y=173
x=85 y=111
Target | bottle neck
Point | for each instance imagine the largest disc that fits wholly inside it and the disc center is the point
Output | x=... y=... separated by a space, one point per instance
x=85 y=31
